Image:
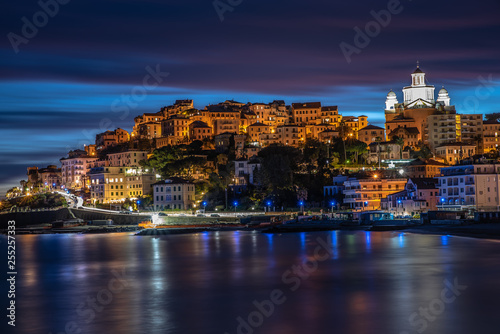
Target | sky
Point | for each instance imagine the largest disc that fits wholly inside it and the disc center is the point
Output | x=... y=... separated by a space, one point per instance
x=71 y=69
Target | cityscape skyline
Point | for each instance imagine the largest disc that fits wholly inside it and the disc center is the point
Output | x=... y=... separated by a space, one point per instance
x=65 y=79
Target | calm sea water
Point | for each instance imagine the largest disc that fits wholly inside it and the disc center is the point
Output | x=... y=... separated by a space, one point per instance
x=247 y=282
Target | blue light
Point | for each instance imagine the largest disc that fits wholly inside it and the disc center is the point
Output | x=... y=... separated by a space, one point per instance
x=366 y=203
x=268 y=203
x=301 y=203
x=399 y=201
x=442 y=200
x=204 y=203
x=332 y=203
x=235 y=203
x=138 y=202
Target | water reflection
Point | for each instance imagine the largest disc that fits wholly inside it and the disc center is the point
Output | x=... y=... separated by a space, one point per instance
x=201 y=283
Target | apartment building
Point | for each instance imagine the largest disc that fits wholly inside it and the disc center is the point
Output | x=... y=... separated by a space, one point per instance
x=491 y=132
x=453 y=152
x=116 y=183
x=149 y=130
x=173 y=193
x=244 y=171
x=472 y=187
x=355 y=123
x=420 y=195
x=129 y=158
x=256 y=129
x=74 y=169
x=366 y=193
x=176 y=126
x=306 y=113
x=419 y=168
x=199 y=130
x=410 y=135
x=110 y=138
x=370 y=133
x=292 y=135
x=387 y=150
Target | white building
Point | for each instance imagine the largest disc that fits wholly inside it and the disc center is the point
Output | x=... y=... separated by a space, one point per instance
x=337 y=186
x=419 y=91
x=465 y=187
x=173 y=193
x=74 y=169
x=244 y=171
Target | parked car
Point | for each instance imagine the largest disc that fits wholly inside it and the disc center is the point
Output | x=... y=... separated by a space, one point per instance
x=214 y=215
x=163 y=214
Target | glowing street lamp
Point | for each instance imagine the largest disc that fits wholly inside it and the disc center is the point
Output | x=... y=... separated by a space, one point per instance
x=269 y=206
x=301 y=203
x=204 y=205
x=235 y=206
x=332 y=203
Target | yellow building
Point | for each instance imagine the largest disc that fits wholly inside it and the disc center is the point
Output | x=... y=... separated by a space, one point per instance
x=365 y=194
x=355 y=123
x=293 y=135
x=370 y=133
x=491 y=133
x=115 y=184
x=111 y=138
x=256 y=129
x=306 y=113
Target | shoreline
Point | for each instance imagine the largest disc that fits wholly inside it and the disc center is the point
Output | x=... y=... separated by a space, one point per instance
x=480 y=231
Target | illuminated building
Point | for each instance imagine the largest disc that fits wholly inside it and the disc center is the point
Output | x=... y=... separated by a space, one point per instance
x=454 y=152
x=366 y=193
x=370 y=133
x=127 y=158
x=470 y=187
x=491 y=132
x=110 y=138
x=173 y=193
x=74 y=169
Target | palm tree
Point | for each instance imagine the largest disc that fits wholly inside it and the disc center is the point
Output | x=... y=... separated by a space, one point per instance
x=378 y=140
x=400 y=141
x=343 y=132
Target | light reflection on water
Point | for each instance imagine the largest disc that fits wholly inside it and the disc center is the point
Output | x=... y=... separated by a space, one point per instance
x=201 y=283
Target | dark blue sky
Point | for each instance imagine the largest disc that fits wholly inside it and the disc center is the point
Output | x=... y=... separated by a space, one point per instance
x=71 y=76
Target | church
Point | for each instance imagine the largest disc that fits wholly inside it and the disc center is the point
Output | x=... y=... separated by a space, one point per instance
x=421 y=118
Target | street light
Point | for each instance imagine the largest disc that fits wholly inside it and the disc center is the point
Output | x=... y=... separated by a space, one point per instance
x=204 y=206
x=301 y=203
x=332 y=204
x=235 y=205
x=269 y=205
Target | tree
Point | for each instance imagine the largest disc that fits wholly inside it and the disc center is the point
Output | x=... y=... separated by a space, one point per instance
x=378 y=140
x=357 y=147
x=493 y=116
x=344 y=131
x=401 y=142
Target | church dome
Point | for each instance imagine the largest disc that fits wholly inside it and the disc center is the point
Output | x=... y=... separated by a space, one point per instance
x=443 y=91
x=391 y=94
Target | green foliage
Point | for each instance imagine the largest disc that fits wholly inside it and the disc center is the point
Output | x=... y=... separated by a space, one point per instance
x=493 y=116
x=45 y=200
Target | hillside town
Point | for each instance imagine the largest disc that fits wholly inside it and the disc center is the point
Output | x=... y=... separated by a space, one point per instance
x=274 y=156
